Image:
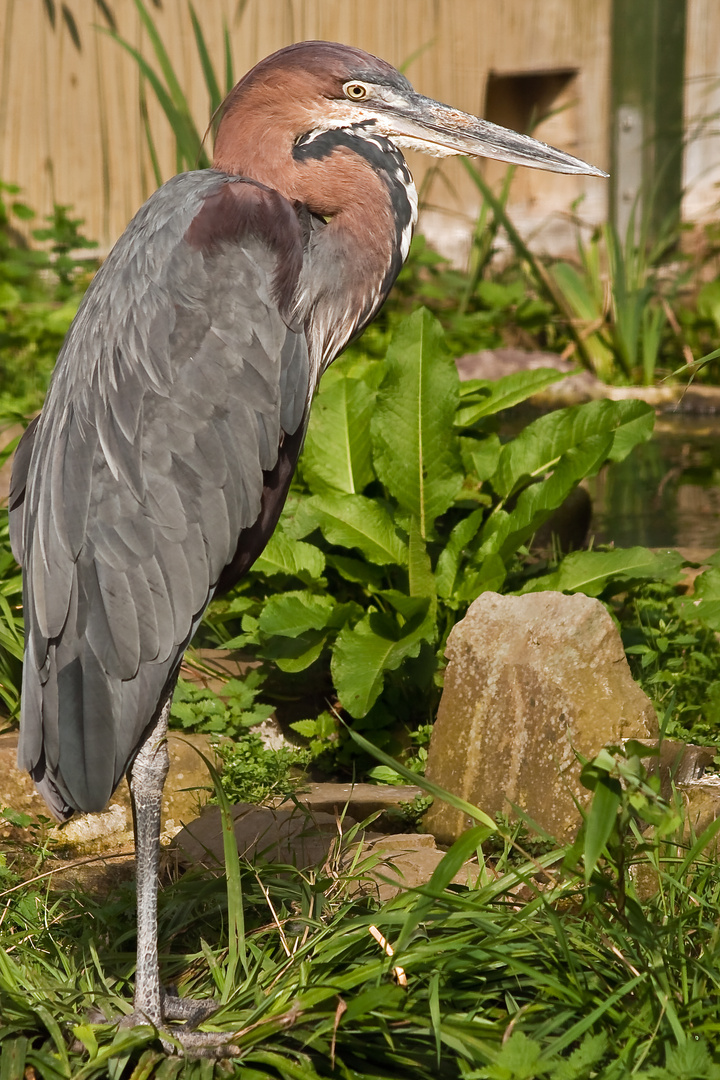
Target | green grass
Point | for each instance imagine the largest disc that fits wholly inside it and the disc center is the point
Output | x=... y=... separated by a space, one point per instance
x=530 y=973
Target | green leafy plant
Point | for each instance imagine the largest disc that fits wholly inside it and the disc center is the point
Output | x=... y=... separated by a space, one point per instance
x=625 y=800
x=674 y=654
x=231 y=713
x=406 y=506
x=616 y=297
x=252 y=772
x=40 y=290
x=531 y=971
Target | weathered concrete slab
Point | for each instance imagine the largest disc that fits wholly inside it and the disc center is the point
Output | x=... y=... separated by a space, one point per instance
x=360 y=800
x=530 y=680
x=383 y=865
x=275 y=834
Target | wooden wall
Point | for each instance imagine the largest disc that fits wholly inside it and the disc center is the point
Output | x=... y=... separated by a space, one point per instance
x=702 y=112
x=71 y=132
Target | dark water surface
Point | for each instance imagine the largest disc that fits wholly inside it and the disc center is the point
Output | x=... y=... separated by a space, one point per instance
x=667 y=492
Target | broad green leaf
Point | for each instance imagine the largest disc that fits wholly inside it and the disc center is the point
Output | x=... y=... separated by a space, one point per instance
x=704 y=603
x=600 y=821
x=365 y=653
x=413 y=609
x=541 y=444
x=416 y=453
x=358 y=571
x=306 y=728
x=421 y=578
x=636 y=426
x=481 y=456
x=506 y=530
x=590 y=572
x=352 y=521
x=293 y=557
x=519 y=1059
x=489 y=578
x=337 y=455
x=296 y=654
x=450 y=557
x=293 y=613
x=484 y=397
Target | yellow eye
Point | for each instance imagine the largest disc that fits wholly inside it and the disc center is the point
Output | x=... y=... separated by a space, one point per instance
x=356 y=91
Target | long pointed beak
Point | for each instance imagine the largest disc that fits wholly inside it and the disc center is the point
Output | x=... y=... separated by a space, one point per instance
x=419 y=123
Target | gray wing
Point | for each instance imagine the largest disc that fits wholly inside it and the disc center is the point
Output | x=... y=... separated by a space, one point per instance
x=177 y=398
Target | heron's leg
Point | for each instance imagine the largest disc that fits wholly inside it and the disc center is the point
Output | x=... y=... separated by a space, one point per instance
x=147 y=779
x=152 y=1004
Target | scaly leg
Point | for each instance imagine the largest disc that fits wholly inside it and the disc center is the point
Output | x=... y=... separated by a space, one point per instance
x=152 y=1004
x=147 y=779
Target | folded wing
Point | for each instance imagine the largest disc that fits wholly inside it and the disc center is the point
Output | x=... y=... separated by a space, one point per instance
x=169 y=435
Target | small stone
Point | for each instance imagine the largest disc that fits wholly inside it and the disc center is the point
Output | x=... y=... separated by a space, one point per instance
x=701 y=799
x=86 y=834
x=408 y=861
x=531 y=680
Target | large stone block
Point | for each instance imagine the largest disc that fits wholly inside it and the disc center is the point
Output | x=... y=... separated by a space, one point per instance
x=530 y=680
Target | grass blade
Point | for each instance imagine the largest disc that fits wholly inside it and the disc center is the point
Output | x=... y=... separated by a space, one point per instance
x=207 y=65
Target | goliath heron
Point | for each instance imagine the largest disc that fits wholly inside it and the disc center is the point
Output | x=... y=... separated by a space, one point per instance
x=161 y=460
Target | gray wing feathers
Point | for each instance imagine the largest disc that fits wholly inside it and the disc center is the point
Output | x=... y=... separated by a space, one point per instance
x=166 y=407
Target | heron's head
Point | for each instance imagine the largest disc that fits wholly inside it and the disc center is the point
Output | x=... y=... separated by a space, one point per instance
x=314 y=87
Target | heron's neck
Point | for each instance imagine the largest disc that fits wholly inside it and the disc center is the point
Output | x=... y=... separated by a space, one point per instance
x=360 y=192
x=361 y=184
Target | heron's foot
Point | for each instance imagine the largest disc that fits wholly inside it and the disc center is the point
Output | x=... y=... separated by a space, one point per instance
x=176 y=1028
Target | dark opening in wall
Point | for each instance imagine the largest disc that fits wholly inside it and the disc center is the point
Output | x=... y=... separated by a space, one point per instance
x=520 y=100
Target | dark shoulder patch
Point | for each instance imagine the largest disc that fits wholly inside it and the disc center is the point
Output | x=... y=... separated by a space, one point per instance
x=243 y=209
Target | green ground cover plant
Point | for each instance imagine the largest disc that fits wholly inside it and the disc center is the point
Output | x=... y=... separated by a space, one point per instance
x=406 y=506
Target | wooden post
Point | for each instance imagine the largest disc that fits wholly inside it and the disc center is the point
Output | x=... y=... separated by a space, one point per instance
x=648 y=67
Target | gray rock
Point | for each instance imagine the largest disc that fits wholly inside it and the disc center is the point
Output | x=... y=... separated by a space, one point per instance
x=530 y=680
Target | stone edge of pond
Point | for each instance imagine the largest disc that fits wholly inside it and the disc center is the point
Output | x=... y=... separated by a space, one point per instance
x=581 y=386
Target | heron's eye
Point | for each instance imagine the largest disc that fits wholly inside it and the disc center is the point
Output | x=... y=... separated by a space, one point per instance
x=356 y=91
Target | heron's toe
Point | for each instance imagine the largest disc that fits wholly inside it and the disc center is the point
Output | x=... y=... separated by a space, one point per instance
x=191 y=1011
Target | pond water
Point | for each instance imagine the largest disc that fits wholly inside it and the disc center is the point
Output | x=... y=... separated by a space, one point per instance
x=667 y=492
